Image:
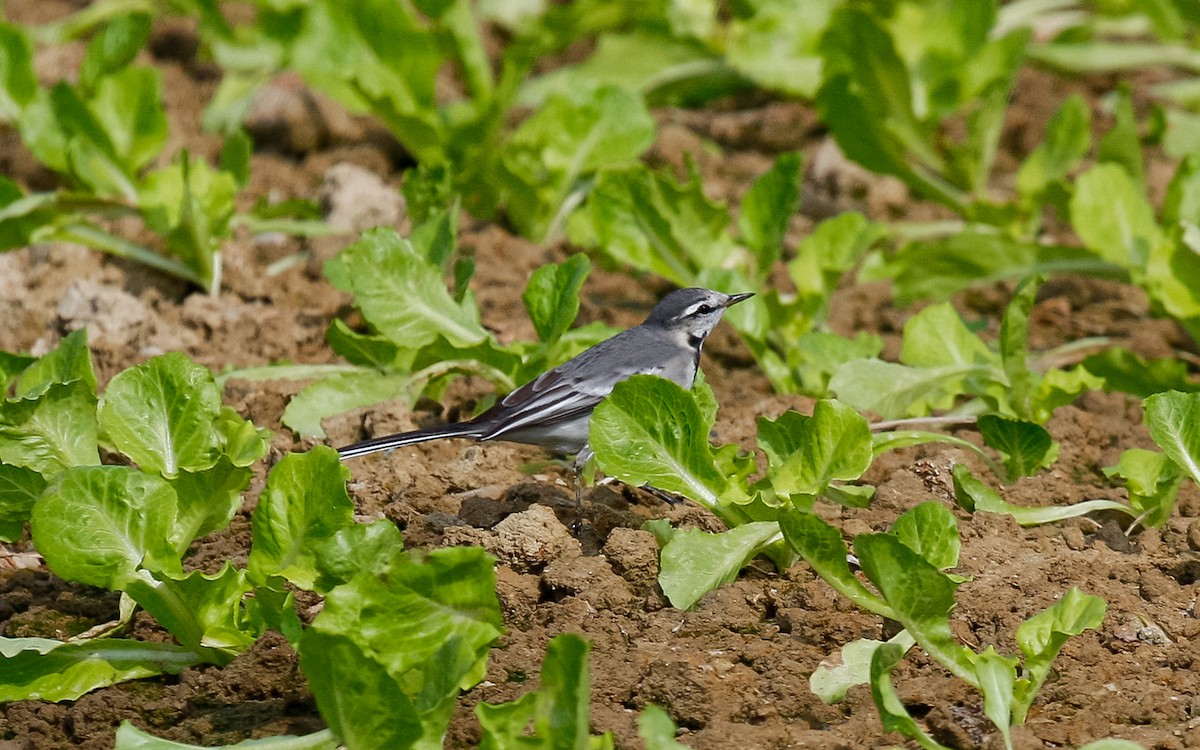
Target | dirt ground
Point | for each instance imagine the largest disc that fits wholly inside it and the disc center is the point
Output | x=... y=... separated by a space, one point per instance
x=733 y=673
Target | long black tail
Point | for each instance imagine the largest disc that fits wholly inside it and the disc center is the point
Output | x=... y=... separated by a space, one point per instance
x=388 y=442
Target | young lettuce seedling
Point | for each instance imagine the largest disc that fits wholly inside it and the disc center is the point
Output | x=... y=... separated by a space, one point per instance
x=422 y=333
x=907 y=568
x=650 y=222
x=100 y=136
x=125 y=528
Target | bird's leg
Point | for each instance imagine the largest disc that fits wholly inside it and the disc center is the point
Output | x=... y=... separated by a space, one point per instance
x=581 y=461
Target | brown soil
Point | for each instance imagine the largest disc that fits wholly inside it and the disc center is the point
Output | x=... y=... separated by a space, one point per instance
x=733 y=673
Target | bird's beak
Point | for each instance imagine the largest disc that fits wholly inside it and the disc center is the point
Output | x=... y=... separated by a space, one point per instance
x=736 y=298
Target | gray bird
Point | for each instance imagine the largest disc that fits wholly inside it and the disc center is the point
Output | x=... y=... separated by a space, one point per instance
x=553 y=409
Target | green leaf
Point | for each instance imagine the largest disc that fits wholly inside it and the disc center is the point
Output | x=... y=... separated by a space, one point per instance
x=997 y=675
x=937 y=336
x=920 y=596
x=205 y=613
x=1173 y=420
x=372 y=548
x=20 y=488
x=304 y=502
x=1025 y=447
x=128 y=105
x=562 y=706
x=820 y=354
x=937 y=268
x=930 y=530
x=651 y=431
x=777 y=46
x=1182 y=201
x=18 y=85
x=12 y=365
x=429 y=623
x=1067 y=140
x=161 y=414
x=364 y=704
x=833 y=444
x=51 y=432
x=657 y=730
x=68 y=362
x=1153 y=483
x=191 y=205
x=782 y=437
x=361 y=349
x=768 y=207
x=1042 y=636
x=834 y=677
x=973 y=495
x=1122 y=145
x=1122 y=370
x=1014 y=347
x=571 y=136
x=236 y=150
x=1173 y=275
x=822 y=548
x=552 y=295
x=48 y=670
x=1113 y=217
x=113 y=47
x=130 y=737
x=100 y=525
x=244 y=444
x=338 y=394
x=649 y=221
x=558 y=711
x=403 y=296
x=207 y=500
x=892 y=712
x=696 y=562
x=894 y=391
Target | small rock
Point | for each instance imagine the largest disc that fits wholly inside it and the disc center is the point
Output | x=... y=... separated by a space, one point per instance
x=356 y=199
x=589 y=578
x=1193 y=536
x=634 y=556
x=531 y=540
x=110 y=314
x=283 y=116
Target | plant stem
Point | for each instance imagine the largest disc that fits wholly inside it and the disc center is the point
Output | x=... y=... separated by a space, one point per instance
x=93 y=236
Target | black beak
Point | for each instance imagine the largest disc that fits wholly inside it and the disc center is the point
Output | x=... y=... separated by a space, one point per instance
x=736 y=298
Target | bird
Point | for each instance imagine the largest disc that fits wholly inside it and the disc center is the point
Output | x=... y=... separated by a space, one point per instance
x=554 y=409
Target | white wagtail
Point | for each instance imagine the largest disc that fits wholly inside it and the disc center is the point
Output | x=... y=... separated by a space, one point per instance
x=553 y=409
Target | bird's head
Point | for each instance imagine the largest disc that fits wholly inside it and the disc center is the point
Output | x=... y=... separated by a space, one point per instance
x=693 y=312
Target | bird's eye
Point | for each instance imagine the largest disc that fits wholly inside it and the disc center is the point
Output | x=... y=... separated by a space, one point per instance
x=704 y=309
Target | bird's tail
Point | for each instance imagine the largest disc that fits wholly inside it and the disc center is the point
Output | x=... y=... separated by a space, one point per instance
x=388 y=442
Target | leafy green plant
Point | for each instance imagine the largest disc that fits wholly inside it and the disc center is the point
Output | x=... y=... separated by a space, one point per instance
x=907 y=567
x=127 y=528
x=102 y=136
x=652 y=432
x=422 y=334
x=1153 y=479
x=120 y=527
x=942 y=359
x=460 y=127
x=648 y=221
x=896 y=73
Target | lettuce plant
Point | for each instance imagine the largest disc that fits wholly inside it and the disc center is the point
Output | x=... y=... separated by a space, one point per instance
x=648 y=221
x=422 y=333
x=907 y=568
x=103 y=136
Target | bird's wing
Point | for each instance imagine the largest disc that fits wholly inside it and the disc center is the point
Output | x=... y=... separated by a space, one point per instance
x=560 y=394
